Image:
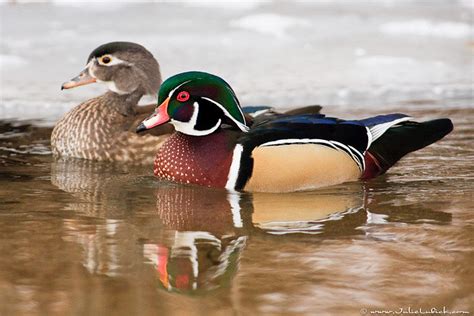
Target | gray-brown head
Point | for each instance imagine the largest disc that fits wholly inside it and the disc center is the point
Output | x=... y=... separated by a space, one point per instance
x=124 y=67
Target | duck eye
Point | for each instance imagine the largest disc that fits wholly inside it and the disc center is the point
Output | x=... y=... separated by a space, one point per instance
x=105 y=60
x=183 y=96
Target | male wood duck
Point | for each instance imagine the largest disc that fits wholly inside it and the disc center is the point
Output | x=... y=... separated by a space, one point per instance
x=102 y=128
x=213 y=146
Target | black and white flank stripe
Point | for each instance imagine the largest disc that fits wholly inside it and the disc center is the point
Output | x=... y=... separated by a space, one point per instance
x=351 y=137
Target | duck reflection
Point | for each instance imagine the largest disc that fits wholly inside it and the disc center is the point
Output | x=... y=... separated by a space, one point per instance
x=193 y=238
x=106 y=203
x=207 y=229
x=99 y=189
x=316 y=212
x=204 y=238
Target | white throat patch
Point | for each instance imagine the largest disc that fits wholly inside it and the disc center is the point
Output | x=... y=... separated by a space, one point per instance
x=112 y=87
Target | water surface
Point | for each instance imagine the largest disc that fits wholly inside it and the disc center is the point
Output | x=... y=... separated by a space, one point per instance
x=85 y=238
x=80 y=237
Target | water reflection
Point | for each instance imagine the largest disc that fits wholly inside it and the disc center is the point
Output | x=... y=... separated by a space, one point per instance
x=317 y=212
x=209 y=228
x=107 y=201
x=192 y=237
x=204 y=238
x=195 y=261
x=100 y=189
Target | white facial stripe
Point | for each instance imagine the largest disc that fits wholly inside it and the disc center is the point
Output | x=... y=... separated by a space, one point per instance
x=243 y=127
x=188 y=127
x=172 y=91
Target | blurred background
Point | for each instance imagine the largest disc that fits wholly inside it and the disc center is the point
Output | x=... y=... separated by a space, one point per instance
x=84 y=238
x=284 y=53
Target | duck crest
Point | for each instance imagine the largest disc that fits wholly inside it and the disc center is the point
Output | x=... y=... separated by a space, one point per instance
x=187 y=159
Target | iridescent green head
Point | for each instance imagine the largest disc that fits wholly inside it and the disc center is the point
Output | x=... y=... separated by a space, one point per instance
x=196 y=103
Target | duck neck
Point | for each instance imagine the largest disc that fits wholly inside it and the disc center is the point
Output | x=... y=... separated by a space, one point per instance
x=125 y=104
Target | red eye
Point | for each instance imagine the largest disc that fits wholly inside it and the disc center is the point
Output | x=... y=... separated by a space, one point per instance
x=183 y=96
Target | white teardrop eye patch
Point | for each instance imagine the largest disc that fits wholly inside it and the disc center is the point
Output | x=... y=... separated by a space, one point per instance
x=109 y=60
x=105 y=60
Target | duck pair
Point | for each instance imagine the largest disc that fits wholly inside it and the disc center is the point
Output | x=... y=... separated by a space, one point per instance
x=214 y=144
x=103 y=128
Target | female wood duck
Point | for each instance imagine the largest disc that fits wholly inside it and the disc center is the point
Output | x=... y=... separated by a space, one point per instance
x=213 y=146
x=102 y=128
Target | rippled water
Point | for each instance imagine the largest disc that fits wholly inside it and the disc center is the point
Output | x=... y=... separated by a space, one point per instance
x=89 y=238
x=84 y=238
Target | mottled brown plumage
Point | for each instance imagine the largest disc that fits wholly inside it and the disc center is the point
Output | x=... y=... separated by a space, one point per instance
x=102 y=128
x=96 y=130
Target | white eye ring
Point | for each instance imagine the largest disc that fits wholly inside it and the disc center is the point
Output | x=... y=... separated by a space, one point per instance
x=105 y=60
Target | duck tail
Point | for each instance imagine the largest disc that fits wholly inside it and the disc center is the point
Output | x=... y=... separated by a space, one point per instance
x=400 y=140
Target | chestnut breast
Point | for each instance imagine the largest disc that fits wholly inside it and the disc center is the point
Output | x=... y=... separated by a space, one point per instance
x=202 y=160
